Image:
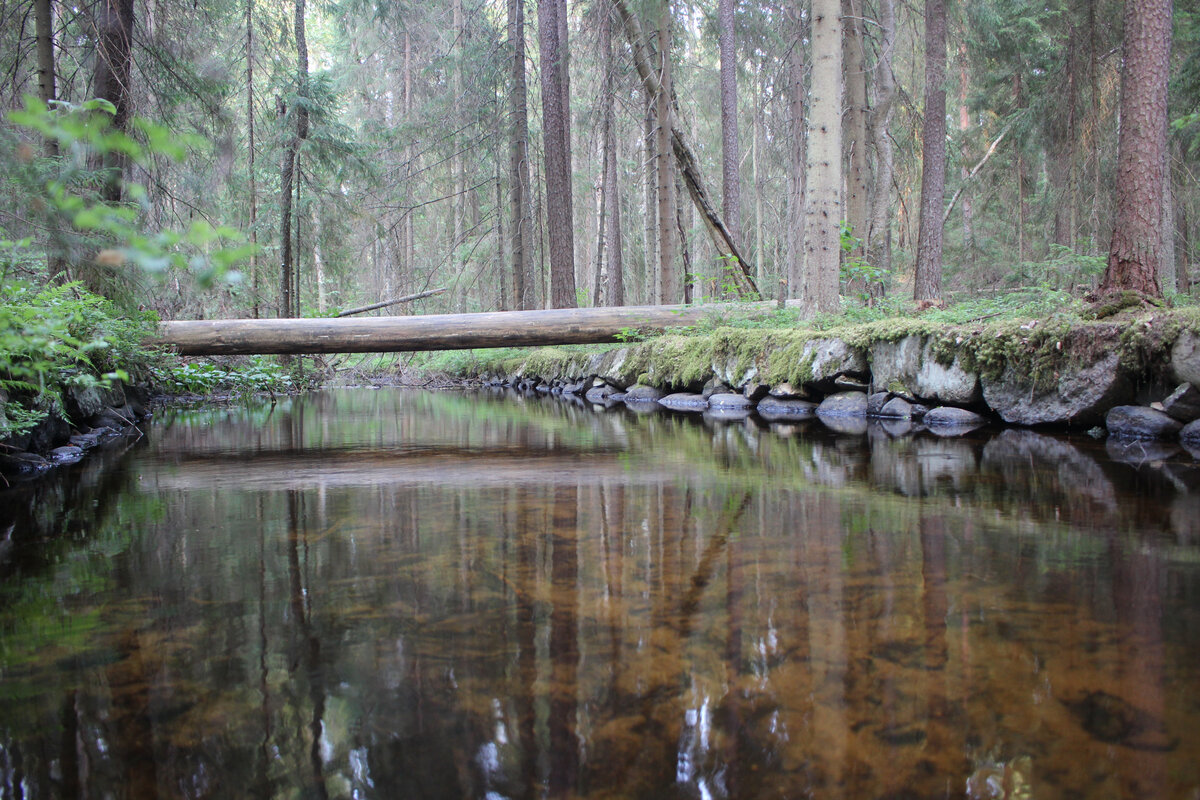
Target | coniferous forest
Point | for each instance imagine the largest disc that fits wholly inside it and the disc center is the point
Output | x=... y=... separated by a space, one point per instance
x=258 y=158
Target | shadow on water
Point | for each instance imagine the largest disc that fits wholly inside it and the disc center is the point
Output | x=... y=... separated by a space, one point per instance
x=389 y=594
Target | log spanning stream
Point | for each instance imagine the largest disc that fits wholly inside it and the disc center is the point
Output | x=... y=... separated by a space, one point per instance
x=386 y=594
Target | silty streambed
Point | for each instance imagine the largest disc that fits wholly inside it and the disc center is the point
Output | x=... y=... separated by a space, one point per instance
x=392 y=594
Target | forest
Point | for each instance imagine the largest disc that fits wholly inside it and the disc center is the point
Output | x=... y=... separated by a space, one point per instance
x=256 y=159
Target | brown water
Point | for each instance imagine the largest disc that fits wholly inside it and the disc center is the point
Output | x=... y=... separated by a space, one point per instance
x=387 y=594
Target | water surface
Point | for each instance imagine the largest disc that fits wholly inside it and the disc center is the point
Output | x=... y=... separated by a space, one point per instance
x=390 y=594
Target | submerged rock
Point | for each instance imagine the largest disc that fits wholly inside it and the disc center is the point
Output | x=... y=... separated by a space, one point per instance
x=772 y=408
x=949 y=415
x=896 y=408
x=844 y=404
x=1139 y=422
x=1190 y=433
x=875 y=403
x=730 y=402
x=1140 y=452
x=684 y=401
x=643 y=394
x=67 y=454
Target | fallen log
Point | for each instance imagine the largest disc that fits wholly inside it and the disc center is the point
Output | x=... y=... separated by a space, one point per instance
x=408 y=298
x=431 y=331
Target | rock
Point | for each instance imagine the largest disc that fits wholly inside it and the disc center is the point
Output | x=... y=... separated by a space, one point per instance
x=612 y=367
x=733 y=374
x=755 y=391
x=773 y=408
x=1185 y=358
x=50 y=433
x=1190 y=433
x=729 y=402
x=1079 y=397
x=600 y=394
x=684 y=401
x=714 y=386
x=876 y=401
x=949 y=415
x=641 y=393
x=831 y=359
x=21 y=463
x=85 y=440
x=844 y=404
x=1183 y=404
x=575 y=387
x=67 y=454
x=786 y=391
x=1139 y=422
x=894 y=365
x=83 y=402
x=947 y=384
x=896 y=408
x=847 y=383
x=919 y=410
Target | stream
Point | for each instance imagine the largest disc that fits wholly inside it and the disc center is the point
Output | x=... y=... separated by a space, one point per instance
x=368 y=593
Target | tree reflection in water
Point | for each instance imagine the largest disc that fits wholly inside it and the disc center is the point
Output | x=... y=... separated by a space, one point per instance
x=380 y=594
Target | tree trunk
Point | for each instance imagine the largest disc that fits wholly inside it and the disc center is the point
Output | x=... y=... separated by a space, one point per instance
x=286 y=177
x=668 y=283
x=1167 y=277
x=559 y=224
x=520 y=194
x=927 y=284
x=1133 y=254
x=730 y=153
x=256 y=287
x=879 y=232
x=823 y=208
x=612 y=288
x=114 y=26
x=797 y=150
x=649 y=186
x=43 y=13
x=964 y=125
x=855 y=133
x=318 y=259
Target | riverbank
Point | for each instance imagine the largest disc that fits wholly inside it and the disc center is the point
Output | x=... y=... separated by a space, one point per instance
x=1133 y=375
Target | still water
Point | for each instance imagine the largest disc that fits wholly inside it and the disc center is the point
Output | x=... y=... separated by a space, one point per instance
x=396 y=594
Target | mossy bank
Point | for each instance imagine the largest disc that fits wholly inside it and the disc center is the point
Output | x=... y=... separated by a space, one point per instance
x=1058 y=372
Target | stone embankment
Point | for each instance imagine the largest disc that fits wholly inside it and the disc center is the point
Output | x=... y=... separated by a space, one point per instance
x=91 y=417
x=1138 y=378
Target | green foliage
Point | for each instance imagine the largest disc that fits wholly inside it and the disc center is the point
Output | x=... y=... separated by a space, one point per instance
x=254 y=375
x=58 y=337
x=98 y=237
x=857 y=272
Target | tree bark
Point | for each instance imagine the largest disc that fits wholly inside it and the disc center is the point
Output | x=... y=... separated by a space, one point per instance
x=927 y=284
x=730 y=153
x=855 y=134
x=612 y=288
x=255 y=286
x=668 y=282
x=286 y=178
x=649 y=184
x=559 y=224
x=823 y=207
x=879 y=231
x=798 y=152
x=114 y=29
x=519 y=193
x=1133 y=253
x=43 y=13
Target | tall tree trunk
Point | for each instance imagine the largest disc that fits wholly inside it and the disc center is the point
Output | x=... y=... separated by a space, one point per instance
x=855 y=134
x=649 y=195
x=301 y=71
x=255 y=284
x=927 y=284
x=1167 y=277
x=114 y=28
x=318 y=259
x=612 y=288
x=406 y=249
x=1133 y=253
x=286 y=177
x=798 y=153
x=43 y=13
x=668 y=283
x=558 y=168
x=823 y=208
x=964 y=125
x=879 y=232
x=730 y=153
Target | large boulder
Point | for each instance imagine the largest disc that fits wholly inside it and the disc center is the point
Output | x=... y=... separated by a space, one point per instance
x=730 y=402
x=643 y=394
x=949 y=415
x=773 y=408
x=1185 y=358
x=1183 y=404
x=909 y=367
x=827 y=360
x=685 y=401
x=1079 y=396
